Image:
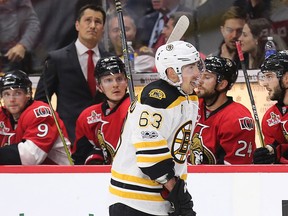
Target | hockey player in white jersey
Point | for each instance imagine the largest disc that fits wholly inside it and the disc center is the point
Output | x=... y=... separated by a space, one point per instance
x=149 y=169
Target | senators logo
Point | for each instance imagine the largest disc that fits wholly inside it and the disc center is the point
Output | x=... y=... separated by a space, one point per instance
x=284 y=129
x=199 y=153
x=107 y=149
x=42 y=111
x=3 y=128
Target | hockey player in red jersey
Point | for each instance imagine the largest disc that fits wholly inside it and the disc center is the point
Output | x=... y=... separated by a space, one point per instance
x=225 y=132
x=150 y=167
x=99 y=126
x=274 y=78
x=28 y=133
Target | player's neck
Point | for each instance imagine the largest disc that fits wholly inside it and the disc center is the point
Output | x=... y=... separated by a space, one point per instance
x=285 y=100
x=222 y=98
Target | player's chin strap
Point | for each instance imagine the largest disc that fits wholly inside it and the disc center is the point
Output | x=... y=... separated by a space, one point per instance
x=54 y=115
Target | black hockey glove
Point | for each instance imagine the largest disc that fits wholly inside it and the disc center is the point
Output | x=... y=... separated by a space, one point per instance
x=180 y=199
x=264 y=156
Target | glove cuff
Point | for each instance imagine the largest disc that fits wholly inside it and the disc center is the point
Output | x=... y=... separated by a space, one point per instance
x=94 y=159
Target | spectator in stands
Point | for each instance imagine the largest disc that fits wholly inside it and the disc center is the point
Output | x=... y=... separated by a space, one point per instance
x=67 y=73
x=19 y=30
x=144 y=59
x=151 y=25
x=99 y=126
x=253 y=39
x=169 y=26
x=255 y=8
x=233 y=21
x=115 y=33
x=29 y=135
x=136 y=9
x=279 y=17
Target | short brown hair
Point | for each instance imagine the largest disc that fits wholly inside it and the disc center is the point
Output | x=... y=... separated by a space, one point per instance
x=233 y=12
x=92 y=7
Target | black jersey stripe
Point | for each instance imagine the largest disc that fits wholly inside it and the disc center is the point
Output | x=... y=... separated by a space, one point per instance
x=134 y=187
x=153 y=152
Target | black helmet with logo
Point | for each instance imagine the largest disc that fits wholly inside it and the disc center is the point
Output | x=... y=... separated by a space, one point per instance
x=277 y=63
x=109 y=65
x=15 y=79
x=224 y=68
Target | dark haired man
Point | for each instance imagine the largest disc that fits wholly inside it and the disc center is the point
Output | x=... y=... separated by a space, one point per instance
x=67 y=73
x=225 y=131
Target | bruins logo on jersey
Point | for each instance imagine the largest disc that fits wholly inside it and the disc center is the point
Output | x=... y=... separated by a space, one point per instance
x=157 y=94
x=199 y=154
x=181 y=143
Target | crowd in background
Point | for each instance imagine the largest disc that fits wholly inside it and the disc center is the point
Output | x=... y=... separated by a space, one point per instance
x=67 y=40
x=52 y=23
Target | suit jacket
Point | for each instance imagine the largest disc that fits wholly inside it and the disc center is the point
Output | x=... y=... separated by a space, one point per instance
x=146 y=25
x=65 y=78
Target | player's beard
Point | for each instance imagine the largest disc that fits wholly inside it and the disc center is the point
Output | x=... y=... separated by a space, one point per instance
x=278 y=94
x=209 y=97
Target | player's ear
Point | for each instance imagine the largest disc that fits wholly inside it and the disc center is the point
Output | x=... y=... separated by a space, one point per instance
x=100 y=88
x=222 y=85
x=285 y=80
x=172 y=75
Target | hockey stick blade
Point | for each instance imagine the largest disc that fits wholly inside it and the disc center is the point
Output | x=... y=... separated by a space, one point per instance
x=179 y=29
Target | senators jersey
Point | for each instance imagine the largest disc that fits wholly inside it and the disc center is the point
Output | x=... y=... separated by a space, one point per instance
x=97 y=132
x=223 y=136
x=155 y=141
x=36 y=135
x=275 y=130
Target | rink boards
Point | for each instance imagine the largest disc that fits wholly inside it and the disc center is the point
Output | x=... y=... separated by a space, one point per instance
x=83 y=190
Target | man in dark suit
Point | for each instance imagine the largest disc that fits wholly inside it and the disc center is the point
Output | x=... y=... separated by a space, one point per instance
x=67 y=72
x=151 y=25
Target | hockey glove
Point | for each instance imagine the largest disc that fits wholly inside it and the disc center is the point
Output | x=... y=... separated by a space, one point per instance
x=180 y=199
x=265 y=155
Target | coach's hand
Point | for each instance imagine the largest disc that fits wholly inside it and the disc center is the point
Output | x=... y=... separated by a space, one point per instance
x=180 y=199
x=265 y=155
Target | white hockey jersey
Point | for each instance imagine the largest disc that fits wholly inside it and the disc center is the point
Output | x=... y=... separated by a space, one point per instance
x=154 y=142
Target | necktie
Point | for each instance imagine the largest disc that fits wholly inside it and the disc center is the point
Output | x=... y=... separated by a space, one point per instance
x=90 y=73
x=161 y=38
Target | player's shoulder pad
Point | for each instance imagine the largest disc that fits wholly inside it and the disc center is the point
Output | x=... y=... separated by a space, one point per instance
x=159 y=94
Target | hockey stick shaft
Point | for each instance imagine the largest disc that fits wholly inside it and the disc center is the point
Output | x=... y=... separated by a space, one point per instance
x=54 y=116
x=256 y=117
x=125 y=50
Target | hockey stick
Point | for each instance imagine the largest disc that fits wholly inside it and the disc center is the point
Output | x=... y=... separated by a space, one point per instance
x=179 y=29
x=241 y=57
x=54 y=115
x=125 y=50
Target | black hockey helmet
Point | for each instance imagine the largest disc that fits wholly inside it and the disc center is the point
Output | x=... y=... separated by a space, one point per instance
x=277 y=63
x=15 y=79
x=109 y=65
x=224 y=68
